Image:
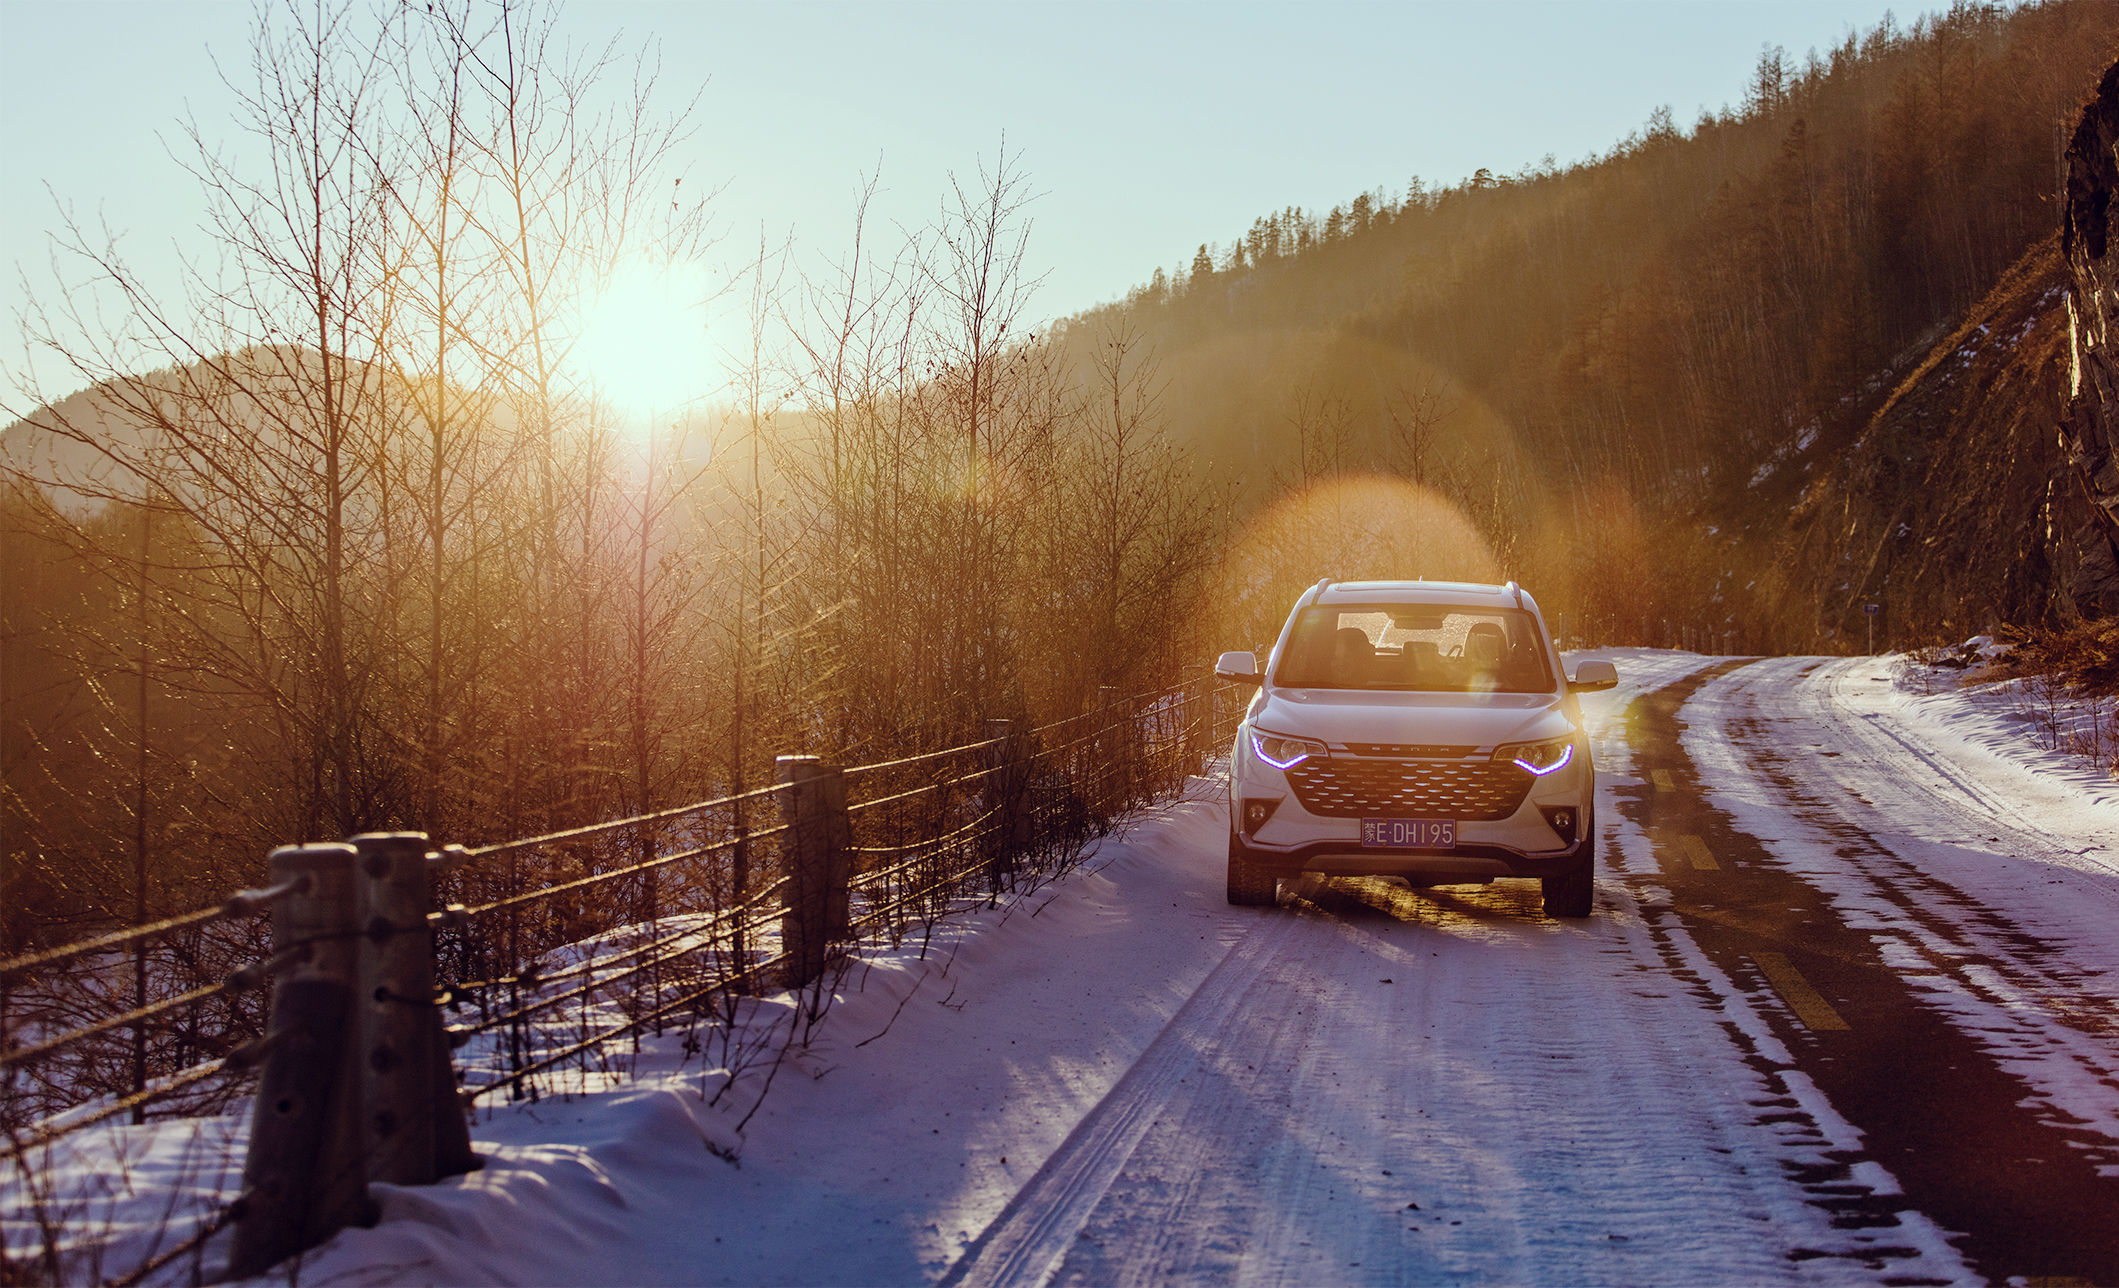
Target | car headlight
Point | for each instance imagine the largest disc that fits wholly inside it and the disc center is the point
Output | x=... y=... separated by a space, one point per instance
x=1549 y=756
x=1283 y=752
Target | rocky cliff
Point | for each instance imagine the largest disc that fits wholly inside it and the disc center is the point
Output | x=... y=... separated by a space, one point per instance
x=2089 y=428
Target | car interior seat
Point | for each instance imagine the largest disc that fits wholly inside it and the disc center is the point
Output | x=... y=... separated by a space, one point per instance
x=1353 y=657
x=1423 y=667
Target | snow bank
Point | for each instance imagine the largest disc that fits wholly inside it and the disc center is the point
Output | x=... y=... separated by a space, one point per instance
x=2061 y=744
x=936 y=1085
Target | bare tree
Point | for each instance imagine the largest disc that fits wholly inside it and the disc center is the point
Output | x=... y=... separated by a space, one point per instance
x=1415 y=413
x=261 y=429
x=995 y=393
x=1137 y=526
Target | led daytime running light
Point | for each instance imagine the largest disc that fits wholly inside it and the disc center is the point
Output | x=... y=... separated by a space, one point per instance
x=1567 y=755
x=1258 y=745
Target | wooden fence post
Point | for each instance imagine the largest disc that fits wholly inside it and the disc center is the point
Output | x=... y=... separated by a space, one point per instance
x=1111 y=776
x=813 y=802
x=304 y=1175
x=1192 y=744
x=1205 y=745
x=412 y=1122
x=1007 y=795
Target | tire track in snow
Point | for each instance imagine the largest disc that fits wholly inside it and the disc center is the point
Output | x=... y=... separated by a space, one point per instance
x=1033 y=1232
x=1486 y=1084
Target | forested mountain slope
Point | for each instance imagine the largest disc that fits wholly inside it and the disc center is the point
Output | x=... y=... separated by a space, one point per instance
x=1729 y=363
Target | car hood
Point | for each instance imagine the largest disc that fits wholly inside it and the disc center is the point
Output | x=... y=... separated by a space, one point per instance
x=1428 y=719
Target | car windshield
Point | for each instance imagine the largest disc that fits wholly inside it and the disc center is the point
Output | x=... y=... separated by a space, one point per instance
x=1422 y=648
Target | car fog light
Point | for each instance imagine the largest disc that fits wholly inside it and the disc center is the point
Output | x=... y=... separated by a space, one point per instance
x=1255 y=814
x=1562 y=819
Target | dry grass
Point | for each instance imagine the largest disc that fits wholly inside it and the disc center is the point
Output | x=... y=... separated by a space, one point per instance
x=2068 y=686
x=2083 y=657
x=2063 y=682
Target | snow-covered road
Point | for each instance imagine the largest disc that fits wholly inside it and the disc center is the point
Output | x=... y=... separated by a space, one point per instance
x=1853 y=974
x=1385 y=1086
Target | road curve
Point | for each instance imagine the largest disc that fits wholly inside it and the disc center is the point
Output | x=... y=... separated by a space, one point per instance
x=1734 y=1072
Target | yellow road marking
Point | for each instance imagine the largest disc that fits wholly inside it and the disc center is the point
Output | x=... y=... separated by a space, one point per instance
x=1662 y=780
x=1696 y=851
x=1808 y=1004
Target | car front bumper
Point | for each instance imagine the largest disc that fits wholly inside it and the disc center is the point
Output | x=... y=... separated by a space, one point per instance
x=1522 y=844
x=1470 y=861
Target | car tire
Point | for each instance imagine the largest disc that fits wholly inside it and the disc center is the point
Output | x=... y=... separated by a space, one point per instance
x=1573 y=893
x=1250 y=884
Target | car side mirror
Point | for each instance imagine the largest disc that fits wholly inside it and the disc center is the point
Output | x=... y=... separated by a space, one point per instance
x=1594 y=676
x=1242 y=668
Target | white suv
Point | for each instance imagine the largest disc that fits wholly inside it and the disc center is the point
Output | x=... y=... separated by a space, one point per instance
x=1413 y=729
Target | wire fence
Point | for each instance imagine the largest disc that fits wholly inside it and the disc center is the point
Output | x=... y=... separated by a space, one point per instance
x=530 y=967
x=115 y=1027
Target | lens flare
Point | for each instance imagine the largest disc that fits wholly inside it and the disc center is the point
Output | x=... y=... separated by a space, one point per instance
x=1347 y=527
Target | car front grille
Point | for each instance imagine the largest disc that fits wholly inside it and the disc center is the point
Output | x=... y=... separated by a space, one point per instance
x=1477 y=791
x=1408 y=749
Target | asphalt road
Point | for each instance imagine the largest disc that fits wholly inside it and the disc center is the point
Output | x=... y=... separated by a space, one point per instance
x=2016 y=1186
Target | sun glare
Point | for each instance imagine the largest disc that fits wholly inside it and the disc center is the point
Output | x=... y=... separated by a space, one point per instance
x=1365 y=525
x=644 y=342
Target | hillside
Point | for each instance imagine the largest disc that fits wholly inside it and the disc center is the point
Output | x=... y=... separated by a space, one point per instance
x=1953 y=508
x=1708 y=376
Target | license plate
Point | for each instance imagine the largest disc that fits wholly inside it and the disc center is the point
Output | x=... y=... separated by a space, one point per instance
x=1410 y=833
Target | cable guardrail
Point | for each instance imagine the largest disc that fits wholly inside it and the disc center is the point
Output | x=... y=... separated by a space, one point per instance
x=583 y=883
x=592 y=964
x=33 y=1145
x=583 y=938
x=591 y=967
x=926 y=843
x=591 y=830
x=244 y=903
x=922 y=791
x=857 y=771
x=53 y=1130
x=16 y=1057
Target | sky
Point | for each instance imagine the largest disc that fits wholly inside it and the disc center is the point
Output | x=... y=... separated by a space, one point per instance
x=1147 y=127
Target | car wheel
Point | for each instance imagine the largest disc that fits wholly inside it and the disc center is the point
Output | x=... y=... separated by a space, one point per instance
x=1250 y=885
x=1573 y=892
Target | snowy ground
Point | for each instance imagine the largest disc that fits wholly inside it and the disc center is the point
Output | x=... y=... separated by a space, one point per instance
x=1124 y=1079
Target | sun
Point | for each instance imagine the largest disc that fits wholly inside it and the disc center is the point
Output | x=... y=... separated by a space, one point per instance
x=644 y=342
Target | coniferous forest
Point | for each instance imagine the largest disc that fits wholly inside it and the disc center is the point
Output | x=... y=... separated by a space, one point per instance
x=1749 y=374
x=342 y=542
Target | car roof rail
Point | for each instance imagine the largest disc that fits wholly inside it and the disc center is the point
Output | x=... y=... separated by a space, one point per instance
x=1513 y=589
x=1317 y=591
